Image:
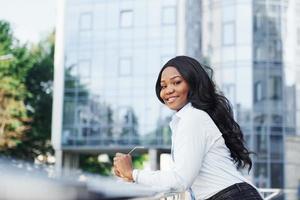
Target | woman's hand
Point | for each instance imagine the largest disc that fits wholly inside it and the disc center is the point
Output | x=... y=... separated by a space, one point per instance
x=123 y=166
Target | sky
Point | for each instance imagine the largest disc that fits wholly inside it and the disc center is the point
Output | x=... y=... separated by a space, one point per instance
x=31 y=20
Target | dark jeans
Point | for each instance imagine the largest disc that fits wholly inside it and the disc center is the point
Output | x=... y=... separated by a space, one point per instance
x=238 y=191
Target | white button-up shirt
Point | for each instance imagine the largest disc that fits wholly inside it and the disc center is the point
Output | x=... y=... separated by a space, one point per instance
x=202 y=161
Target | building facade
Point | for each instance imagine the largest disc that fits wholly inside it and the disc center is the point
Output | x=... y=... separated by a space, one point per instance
x=246 y=42
x=109 y=52
x=108 y=56
x=292 y=167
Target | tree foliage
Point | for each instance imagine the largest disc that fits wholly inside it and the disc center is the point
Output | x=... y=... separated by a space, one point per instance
x=25 y=95
x=90 y=163
x=39 y=81
x=13 y=114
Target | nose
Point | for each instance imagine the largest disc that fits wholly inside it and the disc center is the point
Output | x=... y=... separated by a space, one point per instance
x=169 y=89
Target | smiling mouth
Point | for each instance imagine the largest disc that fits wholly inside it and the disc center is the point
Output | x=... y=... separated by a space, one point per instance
x=171 y=99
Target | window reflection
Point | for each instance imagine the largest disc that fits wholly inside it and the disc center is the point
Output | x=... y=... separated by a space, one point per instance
x=258 y=92
x=276 y=147
x=126 y=18
x=228 y=33
x=261 y=142
x=261 y=174
x=84 y=68
x=275 y=87
x=277 y=175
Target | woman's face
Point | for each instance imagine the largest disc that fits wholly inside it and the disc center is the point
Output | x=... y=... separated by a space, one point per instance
x=174 y=89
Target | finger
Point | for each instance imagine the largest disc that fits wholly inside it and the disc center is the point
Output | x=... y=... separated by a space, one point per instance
x=120 y=154
x=116 y=163
x=117 y=172
x=127 y=179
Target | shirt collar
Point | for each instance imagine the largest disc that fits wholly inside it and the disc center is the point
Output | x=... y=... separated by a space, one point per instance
x=183 y=110
x=178 y=115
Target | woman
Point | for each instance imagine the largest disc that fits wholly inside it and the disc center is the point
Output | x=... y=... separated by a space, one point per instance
x=207 y=144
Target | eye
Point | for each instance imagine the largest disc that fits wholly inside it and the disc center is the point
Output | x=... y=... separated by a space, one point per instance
x=177 y=82
x=163 y=87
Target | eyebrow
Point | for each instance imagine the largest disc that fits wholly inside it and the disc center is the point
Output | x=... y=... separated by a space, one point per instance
x=172 y=78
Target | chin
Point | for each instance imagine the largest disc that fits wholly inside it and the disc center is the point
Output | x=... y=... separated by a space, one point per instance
x=173 y=107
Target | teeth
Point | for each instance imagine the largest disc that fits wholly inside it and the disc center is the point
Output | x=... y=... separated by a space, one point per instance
x=171 y=100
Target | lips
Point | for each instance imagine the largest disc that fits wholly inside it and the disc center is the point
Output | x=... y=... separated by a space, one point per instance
x=171 y=99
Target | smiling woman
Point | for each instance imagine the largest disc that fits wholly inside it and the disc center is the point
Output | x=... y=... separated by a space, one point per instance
x=174 y=89
x=208 y=149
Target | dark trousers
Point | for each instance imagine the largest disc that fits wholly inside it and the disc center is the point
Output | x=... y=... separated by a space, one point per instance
x=238 y=191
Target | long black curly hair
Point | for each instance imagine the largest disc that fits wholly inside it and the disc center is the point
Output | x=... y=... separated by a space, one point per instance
x=203 y=95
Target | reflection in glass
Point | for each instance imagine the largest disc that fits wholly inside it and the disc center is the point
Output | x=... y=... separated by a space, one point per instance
x=277 y=175
x=261 y=174
x=126 y=18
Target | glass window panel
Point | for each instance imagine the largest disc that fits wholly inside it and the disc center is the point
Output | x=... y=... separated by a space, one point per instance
x=70 y=83
x=70 y=94
x=85 y=21
x=125 y=83
x=125 y=67
x=228 y=12
x=261 y=145
x=257 y=91
x=276 y=175
x=168 y=33
x=85 y=39
x=70 y=71
x=126 y=18
x=69 y=112
x=140 y=11
x=84 y=68
x=275 y=88
x=153 y=18
x=228 y=33
x=83 y=94
x=168 y=15
x=229 y=91
x=69 y=136
x=247 y=137
x=261 y=175
x=276 y=147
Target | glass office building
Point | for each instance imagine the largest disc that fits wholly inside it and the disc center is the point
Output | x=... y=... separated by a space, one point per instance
x=109 y=54
x=246 y=42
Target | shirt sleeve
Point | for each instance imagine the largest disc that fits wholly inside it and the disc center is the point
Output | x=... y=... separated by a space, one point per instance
x=189 y=149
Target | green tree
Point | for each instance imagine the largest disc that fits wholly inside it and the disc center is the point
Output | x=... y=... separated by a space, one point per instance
x=39 y=81
x=13 y=113
x=89 y=163
x=26 y=95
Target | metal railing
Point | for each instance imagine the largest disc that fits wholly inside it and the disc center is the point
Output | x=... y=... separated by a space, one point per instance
x=274 y=193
